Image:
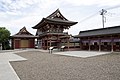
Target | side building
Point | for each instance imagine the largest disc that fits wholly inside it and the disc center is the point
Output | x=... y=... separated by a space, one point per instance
x=50 y=30
x=103 y=39
x=23 y=39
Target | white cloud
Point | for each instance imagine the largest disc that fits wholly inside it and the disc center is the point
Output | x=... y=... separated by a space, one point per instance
x=15 y=25
x=14 y=14
x=15 y=5
x=94 y=2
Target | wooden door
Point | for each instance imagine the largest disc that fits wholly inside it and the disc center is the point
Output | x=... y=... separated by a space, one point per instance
x=24 y=44
x=17 y=44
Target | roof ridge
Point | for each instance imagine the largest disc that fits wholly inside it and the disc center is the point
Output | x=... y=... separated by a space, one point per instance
x=23 y=31
x=101 y=28
x=57 y=13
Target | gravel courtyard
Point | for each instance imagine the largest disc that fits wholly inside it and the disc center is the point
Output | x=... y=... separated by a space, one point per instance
x=45 y=66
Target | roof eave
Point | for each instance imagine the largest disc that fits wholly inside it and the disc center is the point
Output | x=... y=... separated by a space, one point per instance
x=70 y=23
x=39 y=24
x=45 y=21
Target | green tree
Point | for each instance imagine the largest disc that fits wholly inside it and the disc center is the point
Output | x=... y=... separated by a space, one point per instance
x=4 y=37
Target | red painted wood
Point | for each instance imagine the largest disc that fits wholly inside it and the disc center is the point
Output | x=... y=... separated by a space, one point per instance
x=17 y=44
x=31 y=43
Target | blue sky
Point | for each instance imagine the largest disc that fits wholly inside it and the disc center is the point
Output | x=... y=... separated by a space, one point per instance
x=15 y=14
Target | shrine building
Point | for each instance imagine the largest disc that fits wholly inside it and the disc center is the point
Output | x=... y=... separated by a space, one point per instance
x=103 y=39
x=50 y=30
x=23 y=39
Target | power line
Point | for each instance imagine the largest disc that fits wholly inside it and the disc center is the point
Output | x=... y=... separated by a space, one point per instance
x=89 y=17
x=102 y=12
x=117 y=6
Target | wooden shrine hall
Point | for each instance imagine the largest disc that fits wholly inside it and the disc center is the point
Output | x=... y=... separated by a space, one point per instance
x=23 y=39
x=50 y=30
x=103 y=39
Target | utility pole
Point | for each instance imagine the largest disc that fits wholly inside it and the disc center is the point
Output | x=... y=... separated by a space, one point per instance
x=103 y=17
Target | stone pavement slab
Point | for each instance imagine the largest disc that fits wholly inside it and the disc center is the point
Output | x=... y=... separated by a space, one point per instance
x=83 y=54
x=6 y=70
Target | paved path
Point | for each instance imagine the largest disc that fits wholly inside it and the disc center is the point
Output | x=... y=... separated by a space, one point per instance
x=6 y=70
x=83 y=54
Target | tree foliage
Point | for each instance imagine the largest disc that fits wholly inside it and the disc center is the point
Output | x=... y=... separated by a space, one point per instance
x=4 y=34
x=4 y=38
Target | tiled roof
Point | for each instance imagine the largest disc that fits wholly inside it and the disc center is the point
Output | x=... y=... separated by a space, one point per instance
x=24 y=36
x=101 y=31
x=57 y=18
x=24 y=33
x=57 y=14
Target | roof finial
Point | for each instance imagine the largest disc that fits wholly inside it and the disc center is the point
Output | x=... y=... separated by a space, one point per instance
x=58 y=9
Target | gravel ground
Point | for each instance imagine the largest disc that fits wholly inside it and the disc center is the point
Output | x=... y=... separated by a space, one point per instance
x=44 y=66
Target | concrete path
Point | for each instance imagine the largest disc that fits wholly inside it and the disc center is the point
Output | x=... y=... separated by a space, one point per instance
x=83 y=54
x=6 y=70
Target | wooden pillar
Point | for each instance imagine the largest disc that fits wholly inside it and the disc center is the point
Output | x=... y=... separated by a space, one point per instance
x=50 y=41
x=58 y=43
x=47 y=42
x=74 y=44
x=99 y=44
x=112 y=41
x=68 y=43
x=89 y=44
x=13 y=43
x=80 y=45
x=43 y=43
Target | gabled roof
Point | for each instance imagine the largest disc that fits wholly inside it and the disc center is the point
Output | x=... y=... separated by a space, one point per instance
x=44 y=21
x=24 y=33
x=101 y=31
x=55 y=18
x=56 y=15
